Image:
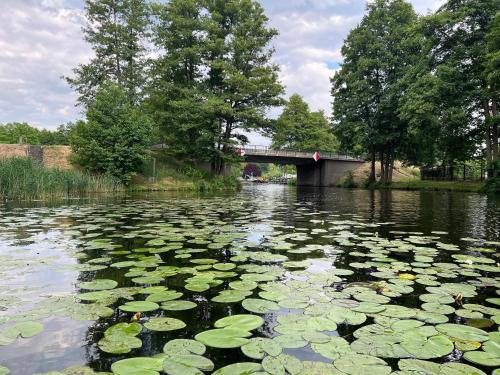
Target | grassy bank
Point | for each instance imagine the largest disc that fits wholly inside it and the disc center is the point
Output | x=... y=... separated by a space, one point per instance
x=416 y=184
x=24 y=179
x=179 y=177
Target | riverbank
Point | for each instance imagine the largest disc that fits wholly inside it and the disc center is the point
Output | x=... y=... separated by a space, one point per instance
x=170 y=176
x=24 y=179
x=416 y=184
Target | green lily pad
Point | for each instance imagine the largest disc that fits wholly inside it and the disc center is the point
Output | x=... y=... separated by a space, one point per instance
x=282 y=364
x=318 y=368
x=243 y=368
x=291 y=341
x=461 y=332
x=259 y=347
x=138 y=366
x=98 y=284
x=167 y=295
x=426 y=348
x=224 y=338
x=243 y=322
x=359 y=364
x=178 y=305
x=139 y=306
x=183 y=364
x=164 y=324
x=483 y=358
x=335 y=348
x=184 y=346
x=259 y=306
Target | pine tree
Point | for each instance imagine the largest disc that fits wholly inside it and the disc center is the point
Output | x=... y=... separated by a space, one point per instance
x=116 y=30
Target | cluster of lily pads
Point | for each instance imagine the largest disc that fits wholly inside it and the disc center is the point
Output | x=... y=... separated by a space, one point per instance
x=325 y=288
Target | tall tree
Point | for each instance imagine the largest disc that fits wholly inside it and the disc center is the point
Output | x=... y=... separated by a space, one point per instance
x=177 y=94
x=242 y=80
x=368 y=87
x=116 y=30
x=452 y=86
x=300 y=129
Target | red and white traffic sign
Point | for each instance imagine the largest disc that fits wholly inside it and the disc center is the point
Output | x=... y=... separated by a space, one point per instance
x=240 y=151
x=316 y=156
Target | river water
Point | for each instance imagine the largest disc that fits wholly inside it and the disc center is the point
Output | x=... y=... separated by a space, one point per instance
x=316 y=264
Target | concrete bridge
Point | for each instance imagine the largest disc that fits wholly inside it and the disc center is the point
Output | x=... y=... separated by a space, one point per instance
x=326 y=171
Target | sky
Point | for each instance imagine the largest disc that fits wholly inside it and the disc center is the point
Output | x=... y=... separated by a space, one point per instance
x=41 y=41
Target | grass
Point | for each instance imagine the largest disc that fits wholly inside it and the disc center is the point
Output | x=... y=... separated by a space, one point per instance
x=171 y=177
x=416 y=184
x=24 y=179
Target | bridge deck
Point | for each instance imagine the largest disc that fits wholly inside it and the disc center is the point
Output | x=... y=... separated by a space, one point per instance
x=264 y=151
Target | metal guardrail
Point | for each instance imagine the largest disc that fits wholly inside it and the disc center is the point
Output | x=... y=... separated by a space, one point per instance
x=267 y=151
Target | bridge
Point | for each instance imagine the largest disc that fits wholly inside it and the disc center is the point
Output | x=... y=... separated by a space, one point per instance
x=326 y=171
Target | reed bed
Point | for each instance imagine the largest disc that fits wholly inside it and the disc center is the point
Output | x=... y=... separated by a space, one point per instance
x=24 y=179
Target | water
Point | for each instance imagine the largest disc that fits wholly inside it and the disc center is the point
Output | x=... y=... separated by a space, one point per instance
x=46 y=251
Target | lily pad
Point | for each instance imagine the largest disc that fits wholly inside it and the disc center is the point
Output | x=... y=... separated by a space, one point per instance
x=98 y=284
x=178 y=305
x=259 y=306
x=243 y=322
x=461 y=332
x=224 y=338
x=358 y=364
x=164 y=324
x=258 y=348
x=139 y=306
x=138 y=366
x=242 y=368
x=184 y=346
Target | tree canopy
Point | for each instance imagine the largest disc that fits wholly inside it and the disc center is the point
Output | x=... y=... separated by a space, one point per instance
x=298 y=128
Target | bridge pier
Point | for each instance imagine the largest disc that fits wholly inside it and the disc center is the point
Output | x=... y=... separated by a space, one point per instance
x=324 y=172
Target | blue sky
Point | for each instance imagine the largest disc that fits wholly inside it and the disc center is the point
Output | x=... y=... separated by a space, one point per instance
x=41 y=40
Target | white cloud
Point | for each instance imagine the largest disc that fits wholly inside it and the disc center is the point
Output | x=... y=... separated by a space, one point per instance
x=41 y=40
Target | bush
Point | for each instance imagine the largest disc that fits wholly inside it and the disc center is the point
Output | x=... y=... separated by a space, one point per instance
x=115 y=137
x=348 y=181
x=492 y=184
x=24 y=179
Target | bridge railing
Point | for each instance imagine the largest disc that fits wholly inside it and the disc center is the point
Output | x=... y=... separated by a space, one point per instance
x=266 y=150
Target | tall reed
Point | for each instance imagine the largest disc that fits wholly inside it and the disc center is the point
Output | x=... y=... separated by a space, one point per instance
x=24 y=179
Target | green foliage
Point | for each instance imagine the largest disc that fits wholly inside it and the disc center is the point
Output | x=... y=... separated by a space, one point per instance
x=117 y=31
x=348 y=181
x=368 y=87
x=300 y=129
x=115 y=137
x=215 y=80
x=26 y=180
x=492 y=184
x=17 y=132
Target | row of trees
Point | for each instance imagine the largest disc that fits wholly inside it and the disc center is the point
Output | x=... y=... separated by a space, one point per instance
x=199 y=72
x=422 y=90
x=21 y=132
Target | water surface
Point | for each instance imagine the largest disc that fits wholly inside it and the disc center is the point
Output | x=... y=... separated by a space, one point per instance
x=314 y=243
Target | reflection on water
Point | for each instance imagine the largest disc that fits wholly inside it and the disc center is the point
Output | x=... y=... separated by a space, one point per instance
x=45 y=249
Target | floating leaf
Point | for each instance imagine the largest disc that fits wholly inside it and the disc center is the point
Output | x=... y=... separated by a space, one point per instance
x=259 y=306
x=243 y=368
x=257 y=348
x=98 y=284
x=243 y=322
x=224 y=338
x=178 y=305
x=138 y=366
x=164 y=324
x=184 y=346
x=139 y=306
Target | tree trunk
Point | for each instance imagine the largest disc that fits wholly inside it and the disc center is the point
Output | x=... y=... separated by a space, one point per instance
x=373 y=176
x=488 y=136
x=494 y=148
x=382 y=168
